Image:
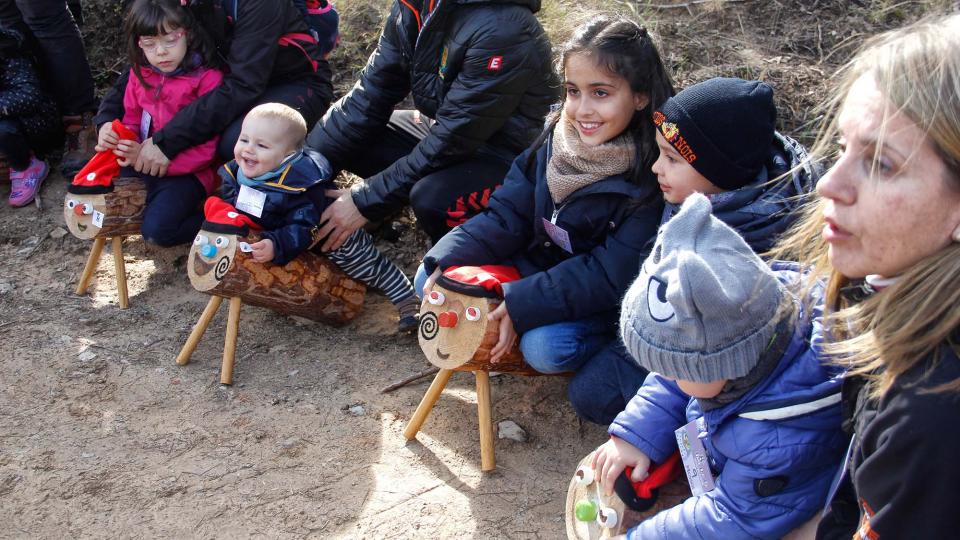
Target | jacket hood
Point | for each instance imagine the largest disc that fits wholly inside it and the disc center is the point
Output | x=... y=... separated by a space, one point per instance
x=765 y=208
x=800 y=384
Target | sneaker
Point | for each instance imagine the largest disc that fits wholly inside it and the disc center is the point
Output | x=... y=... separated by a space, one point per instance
x=408 y=324
x=81 y=137
x=25 y=184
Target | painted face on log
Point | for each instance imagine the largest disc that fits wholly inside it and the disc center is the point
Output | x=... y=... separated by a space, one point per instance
x=211 y=257
x=452 y=326
x=84 y=214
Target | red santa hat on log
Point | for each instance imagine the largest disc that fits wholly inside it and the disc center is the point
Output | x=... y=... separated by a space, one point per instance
x=223 y=217
x=479 y=281
x=97 y=175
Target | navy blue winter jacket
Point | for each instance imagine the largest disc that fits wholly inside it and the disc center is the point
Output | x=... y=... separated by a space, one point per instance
x=762 y=210
x=783 y=433
x=290 y=210
x=609 y=229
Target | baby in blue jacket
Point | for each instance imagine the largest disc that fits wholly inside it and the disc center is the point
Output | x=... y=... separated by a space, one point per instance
x=280 y=185
x=735 y=382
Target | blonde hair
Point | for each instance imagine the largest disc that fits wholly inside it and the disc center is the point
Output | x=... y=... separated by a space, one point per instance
x=283 y=113
x=917 y=68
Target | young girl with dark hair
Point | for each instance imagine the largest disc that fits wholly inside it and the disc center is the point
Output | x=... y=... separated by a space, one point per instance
x=170 y=61
x=577 y=210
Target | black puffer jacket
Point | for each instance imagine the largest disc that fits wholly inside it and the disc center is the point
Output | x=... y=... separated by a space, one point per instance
x=480 y=68
x=254 y=60
x=22 y=97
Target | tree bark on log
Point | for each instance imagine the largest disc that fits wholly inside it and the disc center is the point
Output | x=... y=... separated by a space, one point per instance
x=309 y=286
x=122 y=210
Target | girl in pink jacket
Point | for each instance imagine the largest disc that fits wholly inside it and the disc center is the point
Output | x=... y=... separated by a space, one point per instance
x=170 y=58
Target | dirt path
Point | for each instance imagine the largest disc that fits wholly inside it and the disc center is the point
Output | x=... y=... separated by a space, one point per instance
x=103 y=435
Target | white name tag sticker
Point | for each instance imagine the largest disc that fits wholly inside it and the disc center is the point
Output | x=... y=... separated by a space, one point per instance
x=696 y=463
x=559 y=236
x=97 y=219
x=251 y=201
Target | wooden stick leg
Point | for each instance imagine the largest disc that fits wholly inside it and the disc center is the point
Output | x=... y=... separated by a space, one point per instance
x=92 y=261
x=427 y=403
x=208 y=312
x=487 y=461
x=121 y=269
x=230 y=344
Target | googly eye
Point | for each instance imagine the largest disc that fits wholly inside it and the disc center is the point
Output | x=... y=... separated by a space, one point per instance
x=222 y=241
x=71 y=204
x=472 y=314
x=660 y=309
x=607 y=517
x=584 y=475
x=436 y=298
x=87 y=209
x=201 y=240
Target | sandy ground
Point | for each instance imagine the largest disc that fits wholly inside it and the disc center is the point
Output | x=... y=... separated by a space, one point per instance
x=103 y=435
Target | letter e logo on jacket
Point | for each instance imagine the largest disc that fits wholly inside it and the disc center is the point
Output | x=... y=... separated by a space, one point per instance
x=495 y=63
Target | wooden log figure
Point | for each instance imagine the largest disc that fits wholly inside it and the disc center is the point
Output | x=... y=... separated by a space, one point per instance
x=590 y=514
x=220 y=265
x=455 y=335
x=99 y=205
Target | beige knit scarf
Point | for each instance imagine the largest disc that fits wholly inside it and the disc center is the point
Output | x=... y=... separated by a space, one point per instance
x=574 y=165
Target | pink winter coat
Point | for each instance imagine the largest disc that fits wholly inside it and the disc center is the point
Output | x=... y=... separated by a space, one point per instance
x=146 y=110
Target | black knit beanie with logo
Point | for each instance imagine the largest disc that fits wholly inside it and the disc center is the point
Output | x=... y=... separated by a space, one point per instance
x=723 y=127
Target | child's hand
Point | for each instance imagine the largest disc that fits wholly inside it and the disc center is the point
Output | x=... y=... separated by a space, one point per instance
x=612 y=457
x=508 y=336
x=262 y=250
x=107 y=139
x=127 y=151
x=430 y=282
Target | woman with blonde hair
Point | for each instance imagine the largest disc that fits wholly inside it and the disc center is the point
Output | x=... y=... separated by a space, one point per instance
x=885 y=237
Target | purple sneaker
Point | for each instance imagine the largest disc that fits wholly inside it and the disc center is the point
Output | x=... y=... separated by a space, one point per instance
x=25 y=184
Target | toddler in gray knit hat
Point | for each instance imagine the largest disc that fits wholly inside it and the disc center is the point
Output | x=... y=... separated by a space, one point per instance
x=704 y=306
x=735 y=387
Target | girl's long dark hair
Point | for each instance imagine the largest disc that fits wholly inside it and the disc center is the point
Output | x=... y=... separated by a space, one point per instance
x=628 y=50
x=155 y=17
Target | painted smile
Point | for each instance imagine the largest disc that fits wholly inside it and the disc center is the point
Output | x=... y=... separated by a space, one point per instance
x=441 y=355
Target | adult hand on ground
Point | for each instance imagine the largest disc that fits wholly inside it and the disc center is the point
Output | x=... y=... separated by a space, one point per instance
x=508 y=335
x=107 y=139
x=339 y=220
x=151 y=160
x=613 y=456
x=127 y=151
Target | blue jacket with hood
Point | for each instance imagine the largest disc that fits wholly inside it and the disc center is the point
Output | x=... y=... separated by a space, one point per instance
x=293 y=204
x=763 y=209
x=774 y=451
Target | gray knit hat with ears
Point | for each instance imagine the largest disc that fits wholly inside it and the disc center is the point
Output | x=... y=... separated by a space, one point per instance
x=705 y=305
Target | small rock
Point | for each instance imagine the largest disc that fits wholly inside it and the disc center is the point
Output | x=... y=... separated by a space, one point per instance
x=58 y=233
x=289 y=443
x=508 y=429
x=6 y=287
x=293 y=373
x=357 y=410
x=86 y=356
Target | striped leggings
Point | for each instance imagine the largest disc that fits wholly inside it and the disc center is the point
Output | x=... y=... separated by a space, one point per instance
x=361 y=260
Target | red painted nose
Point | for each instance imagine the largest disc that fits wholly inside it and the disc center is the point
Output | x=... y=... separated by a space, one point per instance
x=447 y=319
x=78 y=209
